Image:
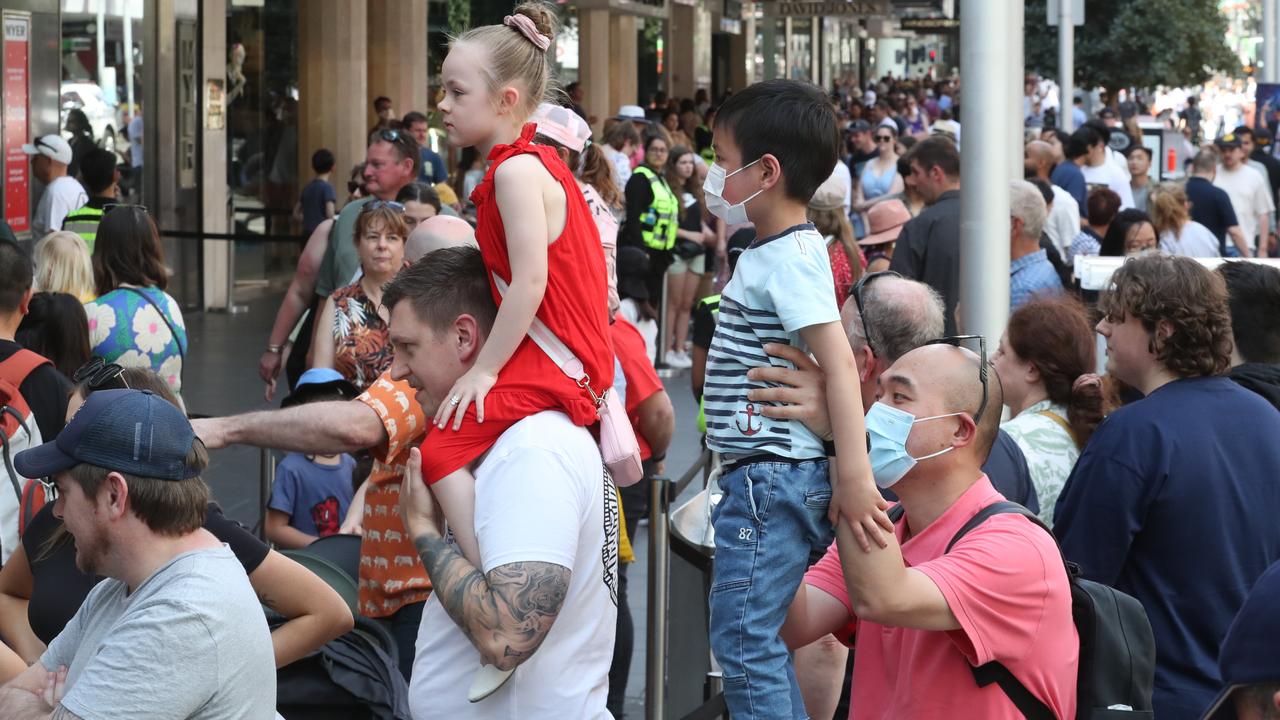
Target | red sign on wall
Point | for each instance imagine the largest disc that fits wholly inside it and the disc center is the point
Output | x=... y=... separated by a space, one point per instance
x=17 y=168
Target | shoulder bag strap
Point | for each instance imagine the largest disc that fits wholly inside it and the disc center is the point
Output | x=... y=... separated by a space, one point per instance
x=182 y=353
x=1062 y=422
x=559 y=353
x=994 y=672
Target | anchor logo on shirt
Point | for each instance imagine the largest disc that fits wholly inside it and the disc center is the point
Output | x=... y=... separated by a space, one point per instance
x=750 y=413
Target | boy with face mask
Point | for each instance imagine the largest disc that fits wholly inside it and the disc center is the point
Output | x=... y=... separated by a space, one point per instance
x=775 y=143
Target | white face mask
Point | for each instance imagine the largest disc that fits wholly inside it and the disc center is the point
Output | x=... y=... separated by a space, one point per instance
x=713 y=188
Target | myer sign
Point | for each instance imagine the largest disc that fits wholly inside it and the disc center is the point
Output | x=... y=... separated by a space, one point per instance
x=825 y=9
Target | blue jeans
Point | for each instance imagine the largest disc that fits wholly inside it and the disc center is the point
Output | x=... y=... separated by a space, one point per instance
x=773 y=513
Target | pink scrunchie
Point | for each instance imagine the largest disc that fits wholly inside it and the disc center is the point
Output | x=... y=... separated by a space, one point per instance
x=526 y=27
x=1088 y=380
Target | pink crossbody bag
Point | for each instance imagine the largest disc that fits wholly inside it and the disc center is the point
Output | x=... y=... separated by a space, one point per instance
x=618 y=445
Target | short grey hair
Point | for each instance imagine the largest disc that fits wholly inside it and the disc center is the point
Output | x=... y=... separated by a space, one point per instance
x=904 y=314
x=1027 y=204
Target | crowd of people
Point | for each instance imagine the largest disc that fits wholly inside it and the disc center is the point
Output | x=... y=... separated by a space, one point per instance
x=453 y=346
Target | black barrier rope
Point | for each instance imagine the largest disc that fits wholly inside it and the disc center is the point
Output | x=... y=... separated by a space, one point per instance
x=246 y=237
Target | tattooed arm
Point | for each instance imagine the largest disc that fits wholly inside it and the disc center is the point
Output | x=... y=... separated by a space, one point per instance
x=506 y=614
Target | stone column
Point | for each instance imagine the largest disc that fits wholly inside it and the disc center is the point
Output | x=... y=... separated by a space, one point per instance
x=681 y=31
x=213 y=168
x=595 y=65
x=397 y=55
x=623 y=85
x=332 y=83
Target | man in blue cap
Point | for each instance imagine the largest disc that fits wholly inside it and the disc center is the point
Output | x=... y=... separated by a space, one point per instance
x=1250 y=658
x=175 y=630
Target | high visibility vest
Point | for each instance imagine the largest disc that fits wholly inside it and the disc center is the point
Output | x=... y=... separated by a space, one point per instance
x=659 y=222
x=84 y=222
x=714 y=302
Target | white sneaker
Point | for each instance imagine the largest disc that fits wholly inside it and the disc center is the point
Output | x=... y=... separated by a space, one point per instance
x=678 y=360
x=486 y=682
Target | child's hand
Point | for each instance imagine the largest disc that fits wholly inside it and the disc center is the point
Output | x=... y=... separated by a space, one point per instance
x=857 y=501
x=472 y=387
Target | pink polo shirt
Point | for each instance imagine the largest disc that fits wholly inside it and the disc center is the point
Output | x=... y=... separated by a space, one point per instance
x=1006 y=584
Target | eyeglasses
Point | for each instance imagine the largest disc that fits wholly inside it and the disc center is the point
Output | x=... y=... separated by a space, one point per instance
x=380 y=204
x=884 y=138
x=96 y=373
x=956 y=341
x=856 y=293
x=50 y=489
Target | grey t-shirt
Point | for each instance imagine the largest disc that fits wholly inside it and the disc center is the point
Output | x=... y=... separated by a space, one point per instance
x=190 y=642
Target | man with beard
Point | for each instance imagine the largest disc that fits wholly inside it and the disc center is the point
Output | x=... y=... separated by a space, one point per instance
x=175 y=630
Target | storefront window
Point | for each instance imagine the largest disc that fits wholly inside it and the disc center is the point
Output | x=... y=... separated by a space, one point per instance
x=101 y=91
x=262 y=115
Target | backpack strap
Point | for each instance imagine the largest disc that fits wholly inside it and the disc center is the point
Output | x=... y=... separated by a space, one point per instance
x=18 y=366
x=995 y=672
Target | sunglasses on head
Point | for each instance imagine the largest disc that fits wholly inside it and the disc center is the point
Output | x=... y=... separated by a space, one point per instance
x=957 y=341
x=112 y=206
x=97 y=373
x=379 y=204
x=859 y=288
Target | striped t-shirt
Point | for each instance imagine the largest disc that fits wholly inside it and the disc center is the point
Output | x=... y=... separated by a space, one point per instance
x=781 y=284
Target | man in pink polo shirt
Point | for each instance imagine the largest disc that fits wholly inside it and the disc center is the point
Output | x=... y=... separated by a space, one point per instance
x=925 y=616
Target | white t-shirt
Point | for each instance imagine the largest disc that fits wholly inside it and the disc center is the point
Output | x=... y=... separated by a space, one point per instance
x=541 y=496
x=1108 y=174
x=1195 y=241
x=135 y=141
x=1250 y=197
x=60 y=197
x=1064 y=220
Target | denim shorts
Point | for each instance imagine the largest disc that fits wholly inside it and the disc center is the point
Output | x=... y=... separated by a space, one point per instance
x=772 y=516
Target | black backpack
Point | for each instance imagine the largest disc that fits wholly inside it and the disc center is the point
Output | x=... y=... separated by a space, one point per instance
x=1117 y=647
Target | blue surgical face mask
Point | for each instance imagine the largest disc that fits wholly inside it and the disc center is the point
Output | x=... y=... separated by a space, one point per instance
x=888 y=427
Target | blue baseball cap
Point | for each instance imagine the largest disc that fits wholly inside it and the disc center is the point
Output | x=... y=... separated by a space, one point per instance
x=1249 y=655
x=320 y=384
x=128 y=431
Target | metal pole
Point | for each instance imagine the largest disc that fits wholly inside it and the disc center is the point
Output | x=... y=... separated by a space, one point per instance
x=266 y=478
x=1269 y=54
x=1066 y=66
x=655 y=662
x=128 y=60
x=984 y=176
x=102 y=50
x=1017 y=91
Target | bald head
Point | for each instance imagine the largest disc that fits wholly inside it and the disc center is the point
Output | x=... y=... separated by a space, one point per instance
x=1039 y=158
x=947 y=379
x=438 y=232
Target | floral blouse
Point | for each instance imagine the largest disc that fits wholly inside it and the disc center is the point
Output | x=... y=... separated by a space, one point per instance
x=1050 y=450
x=127 y=329
x=362 y=341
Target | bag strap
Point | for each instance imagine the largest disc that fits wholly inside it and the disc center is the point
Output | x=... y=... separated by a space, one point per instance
x=18 y=366
x=555 y=349
x=182 y=353
x=1062 y=422
x=995 y=672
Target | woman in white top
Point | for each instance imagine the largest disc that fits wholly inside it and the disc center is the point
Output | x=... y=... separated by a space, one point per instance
x=1045 y=362
x=1179 y=234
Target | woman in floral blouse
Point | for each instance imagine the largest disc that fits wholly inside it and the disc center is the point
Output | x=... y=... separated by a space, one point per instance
x=1046 y=362
x=134 y=322
x=358 y=344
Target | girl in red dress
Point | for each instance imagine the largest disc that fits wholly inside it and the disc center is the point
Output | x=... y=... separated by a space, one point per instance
x=537 y=234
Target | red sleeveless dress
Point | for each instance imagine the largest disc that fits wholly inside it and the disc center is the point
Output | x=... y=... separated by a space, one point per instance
x=574 y=307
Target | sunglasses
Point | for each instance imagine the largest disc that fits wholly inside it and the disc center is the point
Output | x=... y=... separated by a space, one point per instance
x=395 y=136
x=957 y=341
x=884 y=138
x=96 y=373
x=112 y=206
x=857 y=291
x=379 y=204
x=50 y=489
